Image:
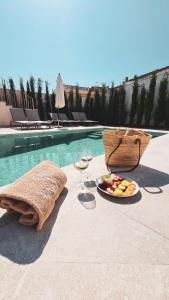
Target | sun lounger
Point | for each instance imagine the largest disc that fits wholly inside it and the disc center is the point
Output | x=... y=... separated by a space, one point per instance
x=64 y=117
x=81 y=117
x=54 y=117
x=76 y=117
x=19 y=118
x=33 y=115
x=84 y=118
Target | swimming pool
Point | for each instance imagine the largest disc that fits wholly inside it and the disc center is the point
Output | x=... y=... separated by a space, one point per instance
x=20 y=152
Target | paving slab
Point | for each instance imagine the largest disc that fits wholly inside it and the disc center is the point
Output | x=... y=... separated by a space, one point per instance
x=95 y=246
x=80 y=281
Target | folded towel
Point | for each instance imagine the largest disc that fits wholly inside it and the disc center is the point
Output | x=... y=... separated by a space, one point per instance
x=34 y=194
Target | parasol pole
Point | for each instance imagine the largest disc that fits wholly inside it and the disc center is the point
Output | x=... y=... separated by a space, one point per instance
x=58 y=115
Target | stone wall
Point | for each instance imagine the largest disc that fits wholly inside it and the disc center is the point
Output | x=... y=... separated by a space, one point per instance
x=5 y=115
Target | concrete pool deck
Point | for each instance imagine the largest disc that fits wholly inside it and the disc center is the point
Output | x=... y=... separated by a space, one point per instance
x=95 y=247
x=9 y=130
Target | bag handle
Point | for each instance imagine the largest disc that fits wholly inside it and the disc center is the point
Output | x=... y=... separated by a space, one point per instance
x=131 y=169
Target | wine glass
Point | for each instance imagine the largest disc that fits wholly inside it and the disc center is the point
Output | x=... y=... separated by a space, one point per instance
x=87 y=156
x=81 y=166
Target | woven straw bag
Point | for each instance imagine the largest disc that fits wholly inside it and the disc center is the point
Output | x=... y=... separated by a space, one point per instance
x=124 y=148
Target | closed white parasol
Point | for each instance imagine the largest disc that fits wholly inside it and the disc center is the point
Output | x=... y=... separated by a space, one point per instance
x=60 y=97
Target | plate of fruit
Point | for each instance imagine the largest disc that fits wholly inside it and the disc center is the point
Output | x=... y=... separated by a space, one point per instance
x=117 y=186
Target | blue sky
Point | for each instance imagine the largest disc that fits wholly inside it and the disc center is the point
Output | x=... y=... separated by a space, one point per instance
x=87 y=41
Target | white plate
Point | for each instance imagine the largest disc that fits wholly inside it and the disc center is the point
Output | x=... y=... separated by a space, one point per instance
x=99 y=181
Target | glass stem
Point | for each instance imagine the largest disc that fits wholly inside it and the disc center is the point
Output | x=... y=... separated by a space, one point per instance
x=82 y=181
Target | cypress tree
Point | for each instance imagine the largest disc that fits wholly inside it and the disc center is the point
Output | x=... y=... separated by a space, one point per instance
x=28 y=94
x=92 y=114
x=167 y=112
x=40 y=100
x=134 y=102
x=103 y=105
x=22 y=91
x=141 y=104
x=47 y=100
x=110 y=105
x=115 y=111
x=32 y=91
x=149 y=103
x=97 y=105
x=87 y=103
x=122 y=105
x=13 y=93
x=78 y=100
x=52 y=97
x=66 y=108
x=5 y=94
x=75 y=99
x=159 y=114
x=71 y=100
x=80 y=103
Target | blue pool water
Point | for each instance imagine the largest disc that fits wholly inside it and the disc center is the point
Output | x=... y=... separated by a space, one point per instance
x=20 y=152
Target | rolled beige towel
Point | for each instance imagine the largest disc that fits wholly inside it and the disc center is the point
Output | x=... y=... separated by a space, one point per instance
x=34 y=194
